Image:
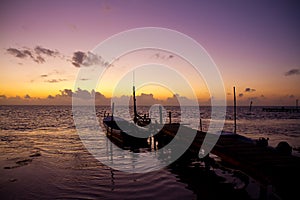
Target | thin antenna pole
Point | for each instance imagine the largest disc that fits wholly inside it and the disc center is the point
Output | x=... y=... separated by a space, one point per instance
x=133 y=77
x=234 y=107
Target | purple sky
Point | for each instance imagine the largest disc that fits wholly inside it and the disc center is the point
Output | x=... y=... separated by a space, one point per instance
x=254 y=43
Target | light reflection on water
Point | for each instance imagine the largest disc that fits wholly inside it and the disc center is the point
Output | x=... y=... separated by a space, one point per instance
x=43 y=157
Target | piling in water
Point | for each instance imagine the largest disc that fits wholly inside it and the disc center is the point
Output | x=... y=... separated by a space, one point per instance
x=234 y=107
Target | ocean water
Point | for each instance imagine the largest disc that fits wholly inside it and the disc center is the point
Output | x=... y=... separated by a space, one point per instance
x=42 y=157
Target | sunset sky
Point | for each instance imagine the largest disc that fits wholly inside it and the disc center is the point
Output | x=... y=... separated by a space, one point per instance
x=255 y=45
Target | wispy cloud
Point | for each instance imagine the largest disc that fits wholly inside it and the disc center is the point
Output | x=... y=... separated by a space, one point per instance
x=292 y=72
x=163 y=56
x=55 y=80
x=53 y=76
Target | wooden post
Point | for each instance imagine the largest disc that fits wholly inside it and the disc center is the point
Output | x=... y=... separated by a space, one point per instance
x=200 y=124
x=250 y=108
x=170 y=117
x=234 y=109
x=160 y=114
x=134 y=105
x=297 y=103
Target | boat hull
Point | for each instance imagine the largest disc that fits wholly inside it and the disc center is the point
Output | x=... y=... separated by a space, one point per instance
x=120 y=137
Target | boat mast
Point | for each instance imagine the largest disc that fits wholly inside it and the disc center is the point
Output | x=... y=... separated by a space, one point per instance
x=134 y=101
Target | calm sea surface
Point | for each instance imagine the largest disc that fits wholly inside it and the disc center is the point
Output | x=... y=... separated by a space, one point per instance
x=42 y=157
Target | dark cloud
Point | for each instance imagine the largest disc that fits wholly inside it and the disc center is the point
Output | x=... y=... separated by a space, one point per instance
x=35 y=55
x=66 y=92
x=16 y=52
x=174 y=101
x=44 y=75
x=41 y=50
x=62 y=98
x=82 y=94
x=146 y=99
x=92 y=59
x=292 y=72
x=19 y=53
x=241 y=95
x=39 y=59
x=250 y=90
x=80 y=59
x=84 y=79
x=28 y=53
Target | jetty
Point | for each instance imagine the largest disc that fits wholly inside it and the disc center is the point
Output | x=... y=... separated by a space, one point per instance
x=275 y=168
x=271 y=167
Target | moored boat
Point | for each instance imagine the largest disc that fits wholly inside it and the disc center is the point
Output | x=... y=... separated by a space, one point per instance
x=123 y=133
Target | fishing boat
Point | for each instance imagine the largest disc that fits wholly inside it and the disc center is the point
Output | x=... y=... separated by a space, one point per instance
x=124 y=132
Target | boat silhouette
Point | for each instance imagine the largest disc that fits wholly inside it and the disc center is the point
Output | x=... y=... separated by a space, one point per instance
x=125 y=133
